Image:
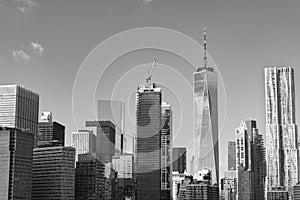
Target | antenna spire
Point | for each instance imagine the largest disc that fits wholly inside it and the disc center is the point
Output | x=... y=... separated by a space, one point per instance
x=205 y=49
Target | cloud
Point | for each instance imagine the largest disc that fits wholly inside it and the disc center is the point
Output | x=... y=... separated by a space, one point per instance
x=37 y=47
x=26 y=6
x=21 y=56
x=145 y=2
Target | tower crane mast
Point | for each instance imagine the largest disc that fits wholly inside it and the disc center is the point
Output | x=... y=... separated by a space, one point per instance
x=150 y=72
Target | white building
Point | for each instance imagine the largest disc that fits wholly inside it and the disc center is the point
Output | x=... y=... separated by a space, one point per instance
x=123 y=164
x=84 y=141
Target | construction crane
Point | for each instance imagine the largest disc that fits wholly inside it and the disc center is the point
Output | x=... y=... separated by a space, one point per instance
x=150 y=72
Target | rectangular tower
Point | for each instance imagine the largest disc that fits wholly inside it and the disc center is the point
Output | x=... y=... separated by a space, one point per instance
x=15 y=164
x=206 y=150
x=19 y=108
x=281 y=129
x=231 y=156
x=179 y=159
x=84 y=141
x=148 y=142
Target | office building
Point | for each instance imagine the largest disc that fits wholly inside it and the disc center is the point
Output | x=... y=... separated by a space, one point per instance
x=277 y=193
x=123 y=164
x=114 y=111
x=106 y=137
x=148 y=142
x=89 y=178
x=50 y=131
x=231 y=156
x=53 y=174
x=15 y=164
x=84 y=141
x=198 y=190
x=229 y=186
x=296 y=192
x=19 y=108
x=166 y=151
x=205 y=96
x=281 y=129
x=177 y=179
x=179 y=160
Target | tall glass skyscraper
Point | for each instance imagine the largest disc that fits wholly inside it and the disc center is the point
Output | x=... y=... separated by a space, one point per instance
x=206 y=149
x=148 y=142
x=19 y=108
x=281 y=129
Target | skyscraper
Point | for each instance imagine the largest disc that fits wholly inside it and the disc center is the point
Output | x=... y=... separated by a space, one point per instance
x=113 y=110
x=148 y=142
x=84 y=141
x=19 y=108
x=281 y=129
x=53 y=173
x=231 y=156
x=105 y=147
x=179 y=159
x=206 y=150
x=123 y=164
x=15 y=164
x=250 y=162
x=50 y=131
x=166 y=151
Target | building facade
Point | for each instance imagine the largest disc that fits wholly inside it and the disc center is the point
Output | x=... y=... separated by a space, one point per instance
x=281 y=129
x=166 y=151
x=124 y=165
x=148 y=142
x=206 y=149
x=84 y=141
x=231 y=156
x=179 y=160
x=15 y=164
x=53 y=173
x=89 y=178
x=19 y=108
x=106 y=138
x=49 y=130
x=114 y=111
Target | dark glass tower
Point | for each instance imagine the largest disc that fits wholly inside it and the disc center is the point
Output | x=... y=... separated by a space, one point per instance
x=148 y=142
x=15 y=164
x=179 y=159
x=106 y=137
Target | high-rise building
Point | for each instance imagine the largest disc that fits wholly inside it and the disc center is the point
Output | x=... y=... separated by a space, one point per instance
x=250 y=162
x=166 y=151
x=15 y=164
x=84 y=141
x=277 y=193
x=53 y=173
x=89 y=178
x=123 y=164
x=105 y=147
x=113 y=110
x=179 y=159
x=177 y=179
x=148 y=142
x=229 y=186
x=281 y=129
x=19 y=108
x=50 y=131
x=206 y=149
x=231 y=156
x=296 y=192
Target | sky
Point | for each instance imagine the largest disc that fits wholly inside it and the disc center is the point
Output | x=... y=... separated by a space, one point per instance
x=45 y=45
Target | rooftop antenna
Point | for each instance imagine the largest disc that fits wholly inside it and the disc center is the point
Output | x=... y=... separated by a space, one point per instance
x=205 y=49
x=150 y=72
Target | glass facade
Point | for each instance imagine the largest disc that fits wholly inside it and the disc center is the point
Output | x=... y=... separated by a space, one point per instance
x=53 y=173
x=206 y=148
x=179 y=159
x=148 y=142
x=281 y=129
x=49 y=131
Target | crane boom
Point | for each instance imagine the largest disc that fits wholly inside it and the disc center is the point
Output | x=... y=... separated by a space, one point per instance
x=150 y=72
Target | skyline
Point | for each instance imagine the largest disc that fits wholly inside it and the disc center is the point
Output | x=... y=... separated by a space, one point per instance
x=241 y=50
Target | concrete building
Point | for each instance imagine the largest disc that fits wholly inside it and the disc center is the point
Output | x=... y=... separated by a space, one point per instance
x=53 y=174
x=281 y=130
x=50 y=131
x=205 y=97
x=229 y=185
x=15 y=164
x=231 y=156
x=177 y=179
x=19 y=108
x=296 y=192
x=89 y=178
x=123 y=164
x=148 y=142
x=106 y=138
x=179 y=160
x=84 y=141
x=277 y=193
